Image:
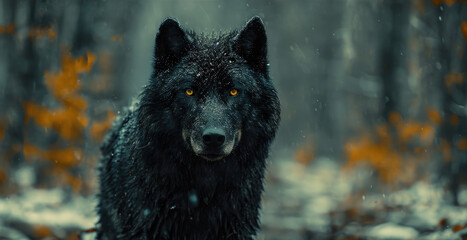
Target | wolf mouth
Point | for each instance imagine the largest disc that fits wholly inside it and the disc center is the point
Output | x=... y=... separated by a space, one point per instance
x=212 y=157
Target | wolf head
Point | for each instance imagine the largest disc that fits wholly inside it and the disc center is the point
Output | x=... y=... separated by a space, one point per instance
x=211 y=94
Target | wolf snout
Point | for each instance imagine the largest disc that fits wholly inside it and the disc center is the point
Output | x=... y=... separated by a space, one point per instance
x=213 y=137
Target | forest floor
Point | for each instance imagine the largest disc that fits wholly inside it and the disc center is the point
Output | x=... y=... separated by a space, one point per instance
x=319 y=201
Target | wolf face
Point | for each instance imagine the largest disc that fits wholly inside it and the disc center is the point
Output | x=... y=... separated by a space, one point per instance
x=209 y=84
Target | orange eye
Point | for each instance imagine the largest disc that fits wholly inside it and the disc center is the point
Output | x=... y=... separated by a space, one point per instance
x=189 y=92
x=233 y=92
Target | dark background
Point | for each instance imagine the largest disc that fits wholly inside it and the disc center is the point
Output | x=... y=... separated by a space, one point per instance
x=373 y=99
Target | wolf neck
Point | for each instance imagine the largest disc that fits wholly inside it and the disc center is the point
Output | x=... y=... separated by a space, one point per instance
x=190 y=171
x=200 y=193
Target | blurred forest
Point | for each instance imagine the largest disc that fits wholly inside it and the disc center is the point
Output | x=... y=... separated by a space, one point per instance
x=373 y=138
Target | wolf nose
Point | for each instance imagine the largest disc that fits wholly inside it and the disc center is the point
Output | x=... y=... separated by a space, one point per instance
x=213 y=137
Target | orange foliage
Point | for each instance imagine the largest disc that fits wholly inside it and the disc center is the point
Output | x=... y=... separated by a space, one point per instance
x=41 y=32
x=42 y=231
x=446 y=150
x=443 y=223
x=75 y=182
x=8 y=28
x=380 y=155
x=464 y=29
x=410 y=130
x=70 y=120
x=454 y=120
x=462 y=144
x=386 y=148
x=458 y=227
x=1 y=132
x=2 y=176
x=434 y=115
x=453 y=78
x=98 y=129
x=394 y=118
x=419 y=6
x=62 y=157
x=305 y=154
x=117 y=38
x=73 y=236
x=439 y=2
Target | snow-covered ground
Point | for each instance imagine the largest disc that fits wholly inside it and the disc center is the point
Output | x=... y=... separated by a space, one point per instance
x=45 y=214
x=319 y=201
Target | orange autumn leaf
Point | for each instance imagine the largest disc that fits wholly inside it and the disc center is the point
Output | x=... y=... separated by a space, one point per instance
x=41 y=32
x=392 y=148
x=458 y=227
x=383 y=132
x=417 y=150
x=3 y=176
x=1 y=132
x=427 y=133
x=439 y=2
x=66 y=82
x=443 y=222
x=98 y=129
x=394 y=118
x=409 y=130
x=434 y=115
x=462 y=144
x=73 y=236
x=42 y=231
x=464 y=29
x=446 y=150
x=419 y=6
x=453 y=78
x=63 y=157
x=305 y=154
x=454 y=120
x=380 y=155
x=70 y=120
x=75 y=182
x=117 y=38
x=30 y=150
x=8 y=28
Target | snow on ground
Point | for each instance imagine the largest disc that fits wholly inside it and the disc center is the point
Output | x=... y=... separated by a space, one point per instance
x=319 y=201
x=25 y=215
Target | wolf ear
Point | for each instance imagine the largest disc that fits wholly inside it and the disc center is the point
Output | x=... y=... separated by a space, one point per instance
x=251 y=44
x=171 y=45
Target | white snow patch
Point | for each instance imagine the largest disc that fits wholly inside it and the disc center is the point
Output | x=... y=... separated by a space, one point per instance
x=392 y=231
x=463 y=197
x=24 y=177
x=50 y=208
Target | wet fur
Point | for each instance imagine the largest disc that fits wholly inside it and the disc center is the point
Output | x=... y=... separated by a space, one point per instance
x=152 y=184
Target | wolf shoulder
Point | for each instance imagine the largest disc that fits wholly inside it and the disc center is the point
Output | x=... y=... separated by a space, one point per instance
x=121 y=129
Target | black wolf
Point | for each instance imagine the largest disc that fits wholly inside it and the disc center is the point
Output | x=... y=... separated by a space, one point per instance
x=188 y=160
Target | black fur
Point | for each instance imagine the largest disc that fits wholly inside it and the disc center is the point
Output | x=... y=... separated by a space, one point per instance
x=153 y=185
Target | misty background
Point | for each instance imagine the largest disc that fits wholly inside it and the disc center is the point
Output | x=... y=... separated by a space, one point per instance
x=373 y=137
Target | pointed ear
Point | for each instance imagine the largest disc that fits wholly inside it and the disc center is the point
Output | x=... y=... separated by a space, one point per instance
x=251 y=44
x=171 y=45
